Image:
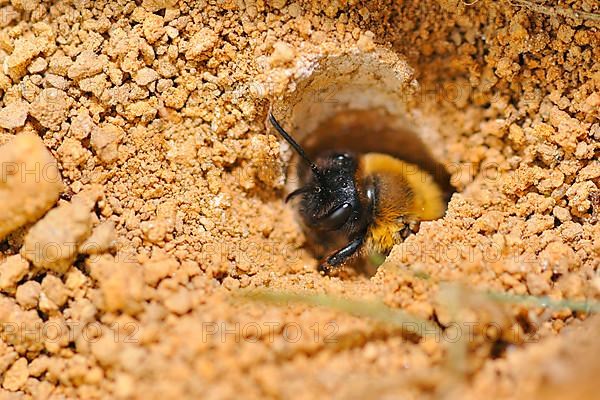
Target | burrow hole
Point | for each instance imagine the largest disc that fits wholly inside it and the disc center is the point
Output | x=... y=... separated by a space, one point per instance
x=361 y=102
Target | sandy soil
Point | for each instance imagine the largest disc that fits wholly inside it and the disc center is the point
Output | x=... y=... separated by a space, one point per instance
x=141 y=189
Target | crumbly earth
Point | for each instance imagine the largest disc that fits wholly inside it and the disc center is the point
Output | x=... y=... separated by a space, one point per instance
x=118 y=278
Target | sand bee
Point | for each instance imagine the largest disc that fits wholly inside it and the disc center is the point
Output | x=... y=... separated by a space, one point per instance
x=363 y=202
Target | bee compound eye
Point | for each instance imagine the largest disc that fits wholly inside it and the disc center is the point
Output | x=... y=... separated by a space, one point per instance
x=336 y=218
x=341 y=159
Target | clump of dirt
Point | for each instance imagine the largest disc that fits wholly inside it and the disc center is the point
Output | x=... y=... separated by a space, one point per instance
x=142 y=189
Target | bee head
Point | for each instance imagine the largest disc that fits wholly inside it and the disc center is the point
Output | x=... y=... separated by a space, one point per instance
x=329 y=200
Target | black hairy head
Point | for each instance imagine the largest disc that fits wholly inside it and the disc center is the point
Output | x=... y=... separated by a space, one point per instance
x=329 y=197
x=330 y=200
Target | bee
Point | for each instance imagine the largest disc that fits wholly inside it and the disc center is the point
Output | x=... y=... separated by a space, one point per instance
x=362 y=202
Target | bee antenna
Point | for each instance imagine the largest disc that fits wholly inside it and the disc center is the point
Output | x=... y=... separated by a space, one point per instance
x=295 y=145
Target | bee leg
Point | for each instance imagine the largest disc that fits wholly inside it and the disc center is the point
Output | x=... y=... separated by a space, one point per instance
x=342 y=255
x=414 y=225
x=410 y=227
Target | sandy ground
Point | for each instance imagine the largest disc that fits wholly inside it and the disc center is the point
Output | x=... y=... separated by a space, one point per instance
x=141 y=189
